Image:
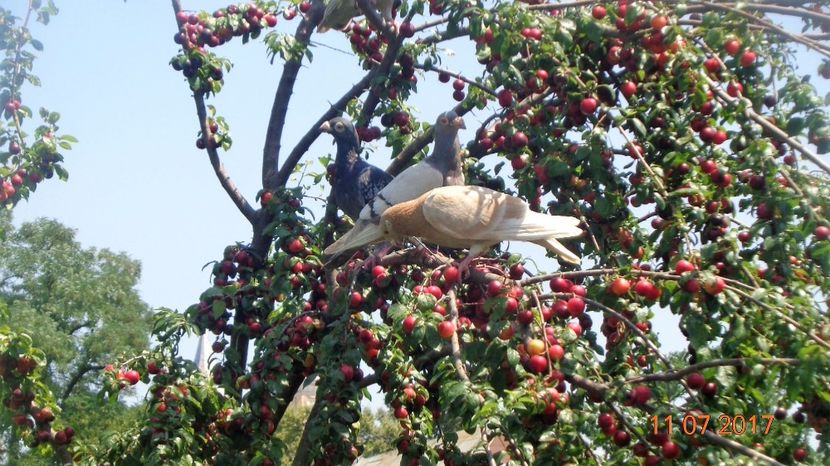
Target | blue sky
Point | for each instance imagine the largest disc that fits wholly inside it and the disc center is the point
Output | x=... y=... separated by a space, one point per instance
x=137 y=182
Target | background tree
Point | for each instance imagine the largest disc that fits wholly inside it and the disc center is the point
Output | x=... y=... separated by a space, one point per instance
x=80 y=307
x=681 y=134
x=29 y=153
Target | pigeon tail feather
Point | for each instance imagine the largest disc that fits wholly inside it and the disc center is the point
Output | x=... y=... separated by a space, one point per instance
x=551 y=244
x=363 y=233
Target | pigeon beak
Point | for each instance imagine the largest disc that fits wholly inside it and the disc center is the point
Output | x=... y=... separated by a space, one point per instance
x=458 y=123
x=325 y=127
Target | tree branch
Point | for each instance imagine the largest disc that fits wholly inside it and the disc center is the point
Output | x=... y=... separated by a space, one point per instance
x=738 y=362
x=218 y=168
x=304 y=447
x=372 y=100
x=84 y=369
x=455 y=347
x=271 y=179
x=371 y=14
x=311 y=135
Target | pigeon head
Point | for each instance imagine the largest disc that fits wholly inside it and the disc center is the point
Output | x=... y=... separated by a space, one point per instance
x=448 y=124
x=342 y=130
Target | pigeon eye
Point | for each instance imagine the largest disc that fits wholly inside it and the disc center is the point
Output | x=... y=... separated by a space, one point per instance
x=338 y=126
x=443 y=120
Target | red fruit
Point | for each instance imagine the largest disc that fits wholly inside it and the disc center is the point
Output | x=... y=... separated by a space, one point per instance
x=748 y=58
x=458 y=85
x=599 y=12
x=519 y=140
x=556 y=352
x=401 y=412
x=683 y=266
x=451 y=274
x=348 y=372
x=621 y=438
x=719 y=138
x=537 y=364
x=305 y=6
x=670 y=450
x=378 y=271
x=542 y=75
x=714 y=285
x=708 y=166
x=800 y=454
x=516 y=272
x=620 y=286
x=628 y=88
x=732 y=47
x=744 y=237
x=132 y=376
x=407 y=29
x=707 y=134
x=696 y=381
x=710 y=389
x=588 y=106
x=494 y=288
x=822 y=232
x=446 y=329
x=270 y=20
x=511 y=305
x=735 y=89
x=764 y=211
x=605 y=421
x=712 y=65
x=505 y=97
x=640 y=395
x=576 y=306
x=295 y=246
x=519 y=161
x=356 y=300
x=576 y=328
x=409 y=324
x=644 y=288
x=579 y=290
x=560 y=285
x=659 y=22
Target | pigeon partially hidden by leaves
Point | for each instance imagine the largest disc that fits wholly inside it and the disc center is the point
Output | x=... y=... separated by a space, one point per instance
x=441 y=168
x=339 y=13
x=476 y=218
x=355 y=181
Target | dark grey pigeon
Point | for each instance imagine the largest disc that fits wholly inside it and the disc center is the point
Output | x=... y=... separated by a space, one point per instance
x=441 y=168
x=355 y=182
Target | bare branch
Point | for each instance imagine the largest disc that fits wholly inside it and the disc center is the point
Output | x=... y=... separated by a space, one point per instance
x=738 y=362
x=454 y=345
x=271 y=179
x=311 y=135
x=218 y=168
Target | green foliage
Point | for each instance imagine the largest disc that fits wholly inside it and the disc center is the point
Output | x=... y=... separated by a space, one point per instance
x=26 y=159
x=74 y=310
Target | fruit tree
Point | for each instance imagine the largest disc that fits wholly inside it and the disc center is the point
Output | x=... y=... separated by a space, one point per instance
x=684 y=137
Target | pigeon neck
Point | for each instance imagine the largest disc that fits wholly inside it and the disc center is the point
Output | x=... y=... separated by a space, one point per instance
x=347 y=155
x=446 y=155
